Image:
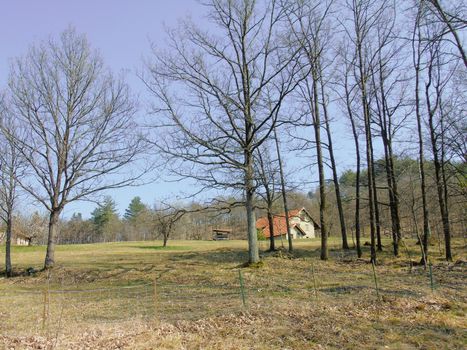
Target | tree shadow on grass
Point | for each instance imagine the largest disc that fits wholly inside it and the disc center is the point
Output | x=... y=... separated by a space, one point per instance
x=217 y=256
x=355 y=289
x=437 y=334
x=161 y=248
x=240 y=255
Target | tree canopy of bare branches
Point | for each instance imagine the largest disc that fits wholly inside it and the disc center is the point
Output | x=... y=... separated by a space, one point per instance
x=77 y=121
x=218 y=94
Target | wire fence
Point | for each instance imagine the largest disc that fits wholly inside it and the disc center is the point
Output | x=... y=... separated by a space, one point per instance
x=33 y=312
x=26 y=312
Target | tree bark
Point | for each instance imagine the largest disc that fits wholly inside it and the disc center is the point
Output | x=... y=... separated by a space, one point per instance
x=272 y=242
x=362 y=83
x=421 y=157
x=319 y=156
x=369 y=157
x=379 y=243
x=393 y=198
x=442 y=204
x=345 y=244
x=438 y=166
x=253 y=252
x=394 y=216
x=386 y=136
x=284 y=193
x=358 y=171
x=269 y=198
x=52 y=234
x=8 y=267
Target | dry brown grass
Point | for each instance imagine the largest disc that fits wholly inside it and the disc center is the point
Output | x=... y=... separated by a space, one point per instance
x=199 y=304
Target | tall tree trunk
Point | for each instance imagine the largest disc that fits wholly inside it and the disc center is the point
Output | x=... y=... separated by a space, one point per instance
x=438 y=167
x=421 y=157
x=441 y=201
x=362 y=83
x=8 y=267
x=358 y=171
x=345 y=244
x=443 y=164
x=386 y=130
x=269 y=201
x=372 y=183
x=319 y=156
x=272 y=241
x=396 y=226
x=357 y=206
x=446 y=221
x=395 y=239
x=165 y=238
x=369 y=158
x=52 y=234
x=253 y=252
x=371 y=197
x=379 y=243
x=284 y=194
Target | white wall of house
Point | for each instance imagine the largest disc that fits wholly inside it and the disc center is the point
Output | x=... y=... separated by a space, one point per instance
x=296 y=234
x=306 y=225
x=308 y=228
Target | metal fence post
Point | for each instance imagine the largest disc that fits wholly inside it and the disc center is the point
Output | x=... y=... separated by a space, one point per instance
x=432 y=284
x=155 y=297
x=375 y=279
x=242 y=287
x=45 y=310
x=314 y=280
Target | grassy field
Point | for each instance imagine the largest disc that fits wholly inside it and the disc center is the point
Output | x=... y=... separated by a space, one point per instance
x=137 y=295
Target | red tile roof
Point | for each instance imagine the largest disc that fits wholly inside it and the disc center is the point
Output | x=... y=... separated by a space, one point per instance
x=279 y=222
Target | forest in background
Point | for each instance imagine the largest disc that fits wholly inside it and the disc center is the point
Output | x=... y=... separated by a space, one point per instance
x=142 y=221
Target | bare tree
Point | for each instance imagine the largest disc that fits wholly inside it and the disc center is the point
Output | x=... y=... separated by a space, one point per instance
x=11 y=167
x=218 y=93
x=348 y=100
x=436 y=71
x=388 y=81
x=417 y=57
x=434 y=88
x=267 y=176
x=283 y=190
x=332 y=158
x=78 y=129
x=366 y=16
x=165 y=217
x=310 y=27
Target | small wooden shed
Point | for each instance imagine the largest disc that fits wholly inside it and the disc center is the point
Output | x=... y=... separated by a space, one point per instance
x=21 y=239
x=220 y=234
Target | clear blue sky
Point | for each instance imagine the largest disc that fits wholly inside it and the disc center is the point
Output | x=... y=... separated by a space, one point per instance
x=121 y=30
